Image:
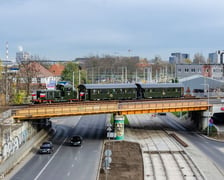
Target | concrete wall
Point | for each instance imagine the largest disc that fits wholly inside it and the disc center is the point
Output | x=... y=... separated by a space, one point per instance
x=201 y=119
x=16 y=141
x=13 y=136
x=217 y=108
x=205 y=119
x=21 y=152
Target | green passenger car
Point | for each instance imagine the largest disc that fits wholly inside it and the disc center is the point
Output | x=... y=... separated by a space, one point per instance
x=161 y=90
x=93 y=92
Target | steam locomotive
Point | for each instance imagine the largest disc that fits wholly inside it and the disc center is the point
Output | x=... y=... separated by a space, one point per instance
x=91 y=92
x=63 y=92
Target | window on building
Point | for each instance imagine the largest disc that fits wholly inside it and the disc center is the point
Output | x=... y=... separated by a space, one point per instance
x=38 y=80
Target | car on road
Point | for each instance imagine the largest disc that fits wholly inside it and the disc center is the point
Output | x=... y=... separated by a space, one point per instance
x=162 y=114
x=46 y=148
x=76 y=140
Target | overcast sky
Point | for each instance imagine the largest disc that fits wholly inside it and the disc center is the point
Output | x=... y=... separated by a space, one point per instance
x=67 y=29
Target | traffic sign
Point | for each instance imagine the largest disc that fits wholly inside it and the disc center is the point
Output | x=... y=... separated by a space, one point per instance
x=108 y=152
x=109 y=125
x=211 y=121
x=108 y=159
x=109 y=129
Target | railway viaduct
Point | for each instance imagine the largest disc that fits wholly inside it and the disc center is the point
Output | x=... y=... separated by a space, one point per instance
x=200 y=109
x=115 y=107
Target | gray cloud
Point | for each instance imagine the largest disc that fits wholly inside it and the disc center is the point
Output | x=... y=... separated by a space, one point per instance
x=68 y=29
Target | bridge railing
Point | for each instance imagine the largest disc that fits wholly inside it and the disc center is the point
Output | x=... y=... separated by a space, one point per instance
x=110 y=107
x=164 y=106
x=161 y=105
x=66 y=110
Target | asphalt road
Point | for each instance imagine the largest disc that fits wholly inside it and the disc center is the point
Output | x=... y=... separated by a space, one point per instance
x=69 y=162
x=211 y=148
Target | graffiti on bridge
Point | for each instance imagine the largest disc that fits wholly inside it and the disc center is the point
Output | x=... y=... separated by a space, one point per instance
x=14 y=143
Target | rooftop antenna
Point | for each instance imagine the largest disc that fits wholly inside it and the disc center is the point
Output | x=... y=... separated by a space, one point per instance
x=7 y=50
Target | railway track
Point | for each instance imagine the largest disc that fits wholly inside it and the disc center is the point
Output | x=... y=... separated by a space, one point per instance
x=49 y=103
x=163 y=157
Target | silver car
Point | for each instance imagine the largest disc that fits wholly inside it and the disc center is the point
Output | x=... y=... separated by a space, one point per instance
x=46 y=148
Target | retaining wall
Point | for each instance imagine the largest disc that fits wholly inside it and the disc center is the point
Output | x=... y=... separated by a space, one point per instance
x=16 y=141
x=20 y=153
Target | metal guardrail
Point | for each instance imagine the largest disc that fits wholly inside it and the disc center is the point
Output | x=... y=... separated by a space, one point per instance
x=111 y=107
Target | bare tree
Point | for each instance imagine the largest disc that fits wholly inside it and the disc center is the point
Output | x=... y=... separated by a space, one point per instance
x=3 y=85
x=28 y=71
x=1 y=69
x=110 y=68
x=199 y=59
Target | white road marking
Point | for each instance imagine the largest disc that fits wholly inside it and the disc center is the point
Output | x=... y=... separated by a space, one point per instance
x=221 y=149
x=42 y=170
x=76 y=122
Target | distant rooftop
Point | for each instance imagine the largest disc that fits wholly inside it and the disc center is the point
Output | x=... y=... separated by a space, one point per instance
x=197 y=76
x=191 y=77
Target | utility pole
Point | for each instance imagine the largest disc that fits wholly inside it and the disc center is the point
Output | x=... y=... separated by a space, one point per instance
x=126 y=74
x=92 y=74
x=80 y=74
x=73 y=81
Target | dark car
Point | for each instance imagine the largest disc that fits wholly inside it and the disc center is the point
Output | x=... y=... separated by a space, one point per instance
x=76 y=140
x=162 y=114
x=46 y=148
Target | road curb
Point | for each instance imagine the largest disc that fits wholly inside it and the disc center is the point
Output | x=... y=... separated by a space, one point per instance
x=212 y=139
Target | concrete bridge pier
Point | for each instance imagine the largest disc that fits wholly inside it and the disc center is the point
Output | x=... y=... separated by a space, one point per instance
x=200 y=119
x=206 y=116
x=205 y=119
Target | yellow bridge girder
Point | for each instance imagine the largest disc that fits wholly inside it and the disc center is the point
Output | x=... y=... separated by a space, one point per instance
x=122 y=108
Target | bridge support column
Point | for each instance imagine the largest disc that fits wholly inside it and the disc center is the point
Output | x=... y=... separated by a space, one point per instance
x=205 y=119
x=119 y=127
